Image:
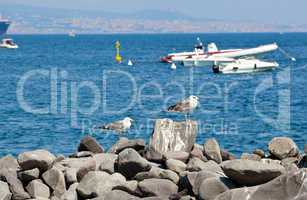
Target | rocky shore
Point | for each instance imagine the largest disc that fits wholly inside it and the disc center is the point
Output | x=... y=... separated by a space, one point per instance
x=171 y=166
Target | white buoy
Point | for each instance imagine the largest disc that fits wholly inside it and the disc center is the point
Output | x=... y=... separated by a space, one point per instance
x=173 y=66
x=130 y=63
x=293 y=59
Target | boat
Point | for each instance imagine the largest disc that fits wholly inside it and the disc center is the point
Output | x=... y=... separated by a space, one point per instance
x=72 y=34
x=8 y=43
x=4 y=25
x=227 y=56
x=244 y=66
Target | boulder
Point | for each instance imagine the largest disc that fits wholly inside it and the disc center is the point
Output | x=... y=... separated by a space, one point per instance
x=70 y=175
x=305 y=148
x=9 y=162
x=106 y=162
x=197 y=152
x=124 y=143
x=212 y=187
x=195 y=164
x=212 y=150
x=259 y=152
x=176 y=165
x=158 y=187
x=158 y=173
x=153 y=155
x=37 y=189
x=187 y=197
x=55 y=179
x=5 y=193
x=227 y=155
x=130 y=163
x=130 y=187
x=120 y=195
x=302 y=162
x=40 y=159
x=283 y=147
x=98 y=184
x=82 y=154
x=15 y=185
x=82 y=165
x=171 y=136
x=287 y=162
x=248 y=156
x=71 y=193
x=177 y=155
x=249 y=173
x=28 y=175
x=89 y=143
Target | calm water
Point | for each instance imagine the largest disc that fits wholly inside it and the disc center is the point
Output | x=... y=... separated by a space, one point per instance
x=241 y=111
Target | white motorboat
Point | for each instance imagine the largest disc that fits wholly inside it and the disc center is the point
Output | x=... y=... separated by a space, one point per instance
x=72 y=34
x=244 y=66
x=8 y=43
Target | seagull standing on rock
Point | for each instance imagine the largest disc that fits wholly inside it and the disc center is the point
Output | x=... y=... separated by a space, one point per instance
x=186 y=106
x=119 y=126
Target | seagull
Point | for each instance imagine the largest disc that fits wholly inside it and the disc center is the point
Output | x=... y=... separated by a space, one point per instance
x=119 y=126
x=185 y=106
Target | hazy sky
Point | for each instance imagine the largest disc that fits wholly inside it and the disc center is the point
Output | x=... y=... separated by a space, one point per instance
x=279 y=11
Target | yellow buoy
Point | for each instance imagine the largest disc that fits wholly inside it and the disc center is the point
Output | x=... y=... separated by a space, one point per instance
x=118 y=58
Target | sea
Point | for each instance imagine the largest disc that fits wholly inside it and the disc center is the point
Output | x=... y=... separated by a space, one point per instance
x=56 y=89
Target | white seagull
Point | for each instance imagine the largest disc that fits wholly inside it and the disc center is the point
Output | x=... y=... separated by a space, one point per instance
x=185 y=106
x=119 y=126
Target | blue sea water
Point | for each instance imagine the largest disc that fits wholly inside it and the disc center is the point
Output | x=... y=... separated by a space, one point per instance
x=69 y=76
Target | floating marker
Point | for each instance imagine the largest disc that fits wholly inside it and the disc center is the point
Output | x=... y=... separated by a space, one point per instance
x=118 y=58
x=130 y=63
x=173 y=66
x=293 y=59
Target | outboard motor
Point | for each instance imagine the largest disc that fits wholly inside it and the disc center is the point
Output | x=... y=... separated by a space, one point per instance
x=216 y=68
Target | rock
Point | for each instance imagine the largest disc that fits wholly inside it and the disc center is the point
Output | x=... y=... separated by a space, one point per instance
x=158 y=173
x=70 y=175
x=283 y=147
x=9 y=162
x=212 y=150
x=71 y=193
x=187 y=197
x=5 y=193
x=302 y=162
x=249 y=173
x=227 y=155
x=305 y=148
x=15 y=185
x=247 y=156
x=212 y=187
x=171 y=136
x=287 y=162
x=37 y=189
x=196 y=164
x=290 y=186
x=82 y=154
x=177 y=155
x=158 y=187
x=28 y=175
x=82 y=165
x=106 y=162
x=270 y=161
x=56 y=181
x=89 y=143
x=130 y=163
x=98 y=184
x=198 y=152
x=129 y=187
x=40 y=159
x=259 y=152
x=120 y=195
x=125 y=143
x=176 y=165
x=153 y=155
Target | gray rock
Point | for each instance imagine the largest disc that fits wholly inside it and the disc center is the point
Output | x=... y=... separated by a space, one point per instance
x=212 y=187
x=28 y=175
x=187 y=197
x=249 y=173
x=227 y=155
x=154 y=156
x=170 y=136
x=176 y=165
x=247 y=156
x=129 y=187
x=158 y=173
x=130 y=163
x=98 y=184
x=212 y=150
x=305 y=148
x=89 y=143
x=290 y=186
x=198 y=152
x=40 y=159
x=82 y=154
x=71 y=193
x=37 y=189
x=9 y=162
x=195 y=164
x=15 y=185
x=302 y=162
x=158 y=187
x=5 y=193
x=287 y=162
x=83 y=165
x=56 y=181
x=70 y=176
x=106 y=162
x=120 y=195
x=283 y=147
x=177 y=155
x=124 y=143
x=259 y=152
x=270 y=161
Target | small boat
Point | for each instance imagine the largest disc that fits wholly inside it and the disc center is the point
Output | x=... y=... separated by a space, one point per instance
x=72 y=34
x=244 y=66
x=8 y=43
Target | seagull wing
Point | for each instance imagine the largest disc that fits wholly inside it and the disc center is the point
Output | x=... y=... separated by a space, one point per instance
x=183 y=106
x=118 y=126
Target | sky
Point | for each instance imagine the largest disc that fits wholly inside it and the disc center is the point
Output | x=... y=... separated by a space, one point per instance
x=273 y=11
